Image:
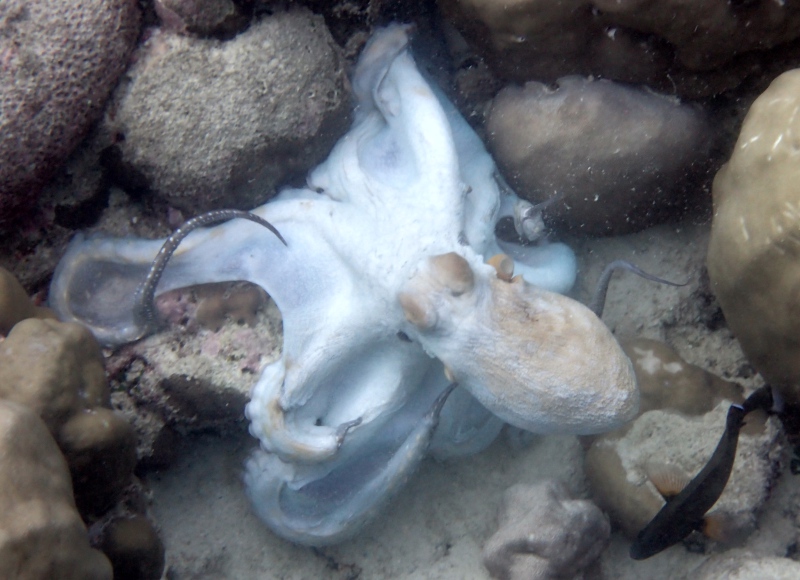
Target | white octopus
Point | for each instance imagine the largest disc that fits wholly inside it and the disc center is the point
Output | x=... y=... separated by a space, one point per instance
x=387 y=298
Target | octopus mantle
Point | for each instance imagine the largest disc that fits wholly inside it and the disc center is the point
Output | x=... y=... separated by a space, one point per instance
x=384 y=290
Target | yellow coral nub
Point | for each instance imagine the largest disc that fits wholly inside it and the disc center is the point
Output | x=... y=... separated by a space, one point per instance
x=504 y=266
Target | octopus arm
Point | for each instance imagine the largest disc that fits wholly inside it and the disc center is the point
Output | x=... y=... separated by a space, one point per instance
x=97 y=280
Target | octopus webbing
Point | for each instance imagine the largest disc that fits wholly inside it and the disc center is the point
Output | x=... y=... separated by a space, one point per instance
x=389 y=296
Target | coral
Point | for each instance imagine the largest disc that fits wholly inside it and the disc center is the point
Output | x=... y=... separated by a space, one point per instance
x=544 y=534
x=43 y=535
x=386 y=297
x=56 y=371
x=619 y=466
x=207 y=123
x=695 y=48
x=100 y=447
x=58 y=62
x=615 y=158
x=753 y=251
x=742 y=565
x=54 y=368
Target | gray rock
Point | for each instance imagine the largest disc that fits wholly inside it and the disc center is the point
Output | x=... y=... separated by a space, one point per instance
x=618 y=158
x=189 y=378
x=59 y=62
x=208 y=124
x=740 y=565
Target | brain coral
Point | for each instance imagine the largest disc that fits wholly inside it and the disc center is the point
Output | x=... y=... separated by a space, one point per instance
x=58 y=63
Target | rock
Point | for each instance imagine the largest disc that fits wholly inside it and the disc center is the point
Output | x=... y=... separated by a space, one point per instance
x=217 y=18
x=543 y=533
x=210 y=305
x=666 y=381
x=694 y=49
x=57 y=370
x=208 y=124
x=15 y=305
x=616 y=158
x=617 y=466
x=196 y=374
x=134 y=548
x=753 y=254
x=42 y=534
x=59 y=62
x=740 y=565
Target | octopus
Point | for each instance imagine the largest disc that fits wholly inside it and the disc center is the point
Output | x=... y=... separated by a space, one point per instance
x=410 y=328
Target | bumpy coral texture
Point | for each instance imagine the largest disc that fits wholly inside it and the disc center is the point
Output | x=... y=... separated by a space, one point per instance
x=212 y=124
x=58 y=64
x=42 y=534
x=620 y=465
x=56 y=369
x=694 y=48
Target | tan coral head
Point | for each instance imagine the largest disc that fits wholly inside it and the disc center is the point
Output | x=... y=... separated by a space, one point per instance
x=538 y=360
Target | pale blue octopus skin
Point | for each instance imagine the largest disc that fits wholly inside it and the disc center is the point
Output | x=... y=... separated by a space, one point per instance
x=347 y=413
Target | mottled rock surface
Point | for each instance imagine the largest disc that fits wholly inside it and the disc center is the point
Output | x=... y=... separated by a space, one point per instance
x=196 y=374
x=42 y=534
x=666 y=381
x=616 y=158
x=754 y=251
x=545 y=534
x=58 y=63
x=618 y=466
x=206 y=124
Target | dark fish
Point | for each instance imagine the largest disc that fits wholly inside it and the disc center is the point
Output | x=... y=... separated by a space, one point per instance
x=685 y=512
x=765 y=399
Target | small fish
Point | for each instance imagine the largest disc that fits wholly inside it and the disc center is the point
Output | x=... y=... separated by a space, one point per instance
x=685 y=512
